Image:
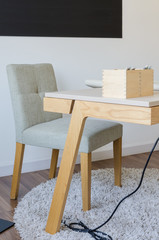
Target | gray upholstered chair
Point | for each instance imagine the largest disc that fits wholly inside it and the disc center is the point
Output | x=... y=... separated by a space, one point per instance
x=28 y=84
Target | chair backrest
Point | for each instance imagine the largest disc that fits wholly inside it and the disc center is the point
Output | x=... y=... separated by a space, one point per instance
x=28 y=84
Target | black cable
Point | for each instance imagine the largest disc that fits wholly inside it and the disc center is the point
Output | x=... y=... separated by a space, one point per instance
x=94 y=233
x=98 y=235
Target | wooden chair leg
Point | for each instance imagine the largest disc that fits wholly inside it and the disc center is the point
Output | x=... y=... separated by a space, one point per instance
x=117 y=148
x=53 y=165
x=86 y=180
x=17 y=170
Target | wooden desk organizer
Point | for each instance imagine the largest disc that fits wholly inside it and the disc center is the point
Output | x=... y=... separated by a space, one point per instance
x=123 y=83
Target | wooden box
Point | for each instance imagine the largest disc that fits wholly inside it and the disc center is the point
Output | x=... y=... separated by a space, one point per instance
x=123 y=83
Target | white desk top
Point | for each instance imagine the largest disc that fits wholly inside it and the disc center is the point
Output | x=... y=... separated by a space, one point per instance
x=95 y=95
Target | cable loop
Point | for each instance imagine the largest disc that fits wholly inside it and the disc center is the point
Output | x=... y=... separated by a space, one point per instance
x=81 y=227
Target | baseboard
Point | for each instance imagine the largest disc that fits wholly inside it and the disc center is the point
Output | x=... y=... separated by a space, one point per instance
x=30 y=166
x=37 y=165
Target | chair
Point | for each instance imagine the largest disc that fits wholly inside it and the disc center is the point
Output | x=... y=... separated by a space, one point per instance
x=28 y=84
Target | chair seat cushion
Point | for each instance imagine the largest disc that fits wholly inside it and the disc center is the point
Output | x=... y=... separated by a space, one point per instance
x=52 y=134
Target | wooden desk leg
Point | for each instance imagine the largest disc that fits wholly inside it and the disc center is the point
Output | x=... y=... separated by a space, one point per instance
x=117 y=148
x=66 y=170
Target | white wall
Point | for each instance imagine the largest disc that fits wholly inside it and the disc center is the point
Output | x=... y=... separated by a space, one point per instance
x=74 y=61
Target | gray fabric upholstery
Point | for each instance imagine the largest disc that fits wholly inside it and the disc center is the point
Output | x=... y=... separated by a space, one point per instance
x=53 y=134
x=28 y=83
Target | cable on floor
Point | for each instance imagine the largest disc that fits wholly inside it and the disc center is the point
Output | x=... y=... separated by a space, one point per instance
x=98 y=235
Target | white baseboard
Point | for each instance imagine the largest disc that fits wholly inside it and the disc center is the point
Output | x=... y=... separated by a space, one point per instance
x=37 y=165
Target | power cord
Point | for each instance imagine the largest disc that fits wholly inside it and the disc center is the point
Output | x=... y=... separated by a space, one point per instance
x=98 y=235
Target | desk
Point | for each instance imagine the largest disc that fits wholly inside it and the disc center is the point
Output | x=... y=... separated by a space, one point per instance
x=83 y=104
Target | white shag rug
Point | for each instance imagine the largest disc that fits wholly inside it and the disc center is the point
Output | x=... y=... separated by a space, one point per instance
x=137 y=218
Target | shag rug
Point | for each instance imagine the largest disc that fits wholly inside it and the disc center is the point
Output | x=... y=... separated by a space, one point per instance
x=137 y=218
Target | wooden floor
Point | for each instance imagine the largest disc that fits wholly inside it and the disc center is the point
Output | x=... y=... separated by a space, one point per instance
x=30 y=180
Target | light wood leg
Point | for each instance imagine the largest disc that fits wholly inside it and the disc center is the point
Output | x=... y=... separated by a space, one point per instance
x=17 y=170
x=53 y=165
x=66 y=170
x=117 y=148
x=86 y=180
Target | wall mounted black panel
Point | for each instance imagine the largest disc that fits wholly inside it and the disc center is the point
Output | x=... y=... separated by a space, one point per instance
x=61 y=18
